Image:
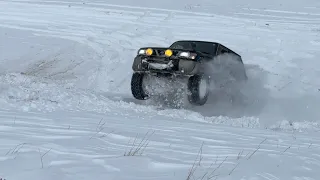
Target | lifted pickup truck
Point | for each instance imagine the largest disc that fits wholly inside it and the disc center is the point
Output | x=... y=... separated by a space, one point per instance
x=188 y=59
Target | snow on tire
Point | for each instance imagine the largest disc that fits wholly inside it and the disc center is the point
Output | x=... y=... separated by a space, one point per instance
x=137 y=89
x=198 y=86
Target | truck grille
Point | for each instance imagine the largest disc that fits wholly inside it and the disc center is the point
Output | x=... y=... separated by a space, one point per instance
x=175 y=62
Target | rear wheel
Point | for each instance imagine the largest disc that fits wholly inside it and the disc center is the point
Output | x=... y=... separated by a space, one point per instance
x=137 y=89
x=198 y=86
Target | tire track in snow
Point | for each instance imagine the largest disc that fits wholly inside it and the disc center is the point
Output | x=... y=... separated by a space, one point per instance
x=76 y=137
x=112 y=48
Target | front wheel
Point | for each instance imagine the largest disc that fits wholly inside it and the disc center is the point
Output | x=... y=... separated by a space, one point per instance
x=198 y=86
x=137 y=89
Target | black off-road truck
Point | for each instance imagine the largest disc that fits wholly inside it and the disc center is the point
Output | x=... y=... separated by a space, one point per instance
x=200 y=61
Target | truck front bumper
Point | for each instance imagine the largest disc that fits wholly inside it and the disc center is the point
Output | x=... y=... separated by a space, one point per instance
x=165 y=65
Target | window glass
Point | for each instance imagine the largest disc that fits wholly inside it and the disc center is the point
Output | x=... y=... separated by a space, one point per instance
x=205 y=47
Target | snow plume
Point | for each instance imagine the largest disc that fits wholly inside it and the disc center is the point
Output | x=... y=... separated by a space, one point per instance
x=219 y=70
x=227 y=95
x=231 y=98
x=173 y=91
x=166 y=92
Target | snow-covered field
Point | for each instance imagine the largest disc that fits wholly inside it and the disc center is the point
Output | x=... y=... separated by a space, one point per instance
x=66 y=110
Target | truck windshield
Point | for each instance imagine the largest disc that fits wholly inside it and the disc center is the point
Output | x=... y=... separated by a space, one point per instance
x=205 y=47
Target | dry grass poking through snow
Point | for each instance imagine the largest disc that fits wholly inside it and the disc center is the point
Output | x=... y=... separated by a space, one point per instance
x=138 y=149
x=211 y=172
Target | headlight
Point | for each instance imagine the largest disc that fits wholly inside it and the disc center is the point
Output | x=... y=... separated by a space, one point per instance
x=168 y=53
x=188 y=55
x=149 y=51
x=185 y=54
x=142 y=51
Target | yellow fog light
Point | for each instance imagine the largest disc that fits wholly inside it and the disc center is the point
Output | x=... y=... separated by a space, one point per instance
x=149 y=51
x=168 y=53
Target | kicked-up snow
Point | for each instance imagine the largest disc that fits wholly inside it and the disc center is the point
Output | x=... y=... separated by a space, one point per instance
x=66 y=110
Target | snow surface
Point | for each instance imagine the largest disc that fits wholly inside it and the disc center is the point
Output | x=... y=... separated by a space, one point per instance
x=66 y=110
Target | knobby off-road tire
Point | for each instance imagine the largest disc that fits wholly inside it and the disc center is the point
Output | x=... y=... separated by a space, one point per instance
x=137 y=86
x=198 y=86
